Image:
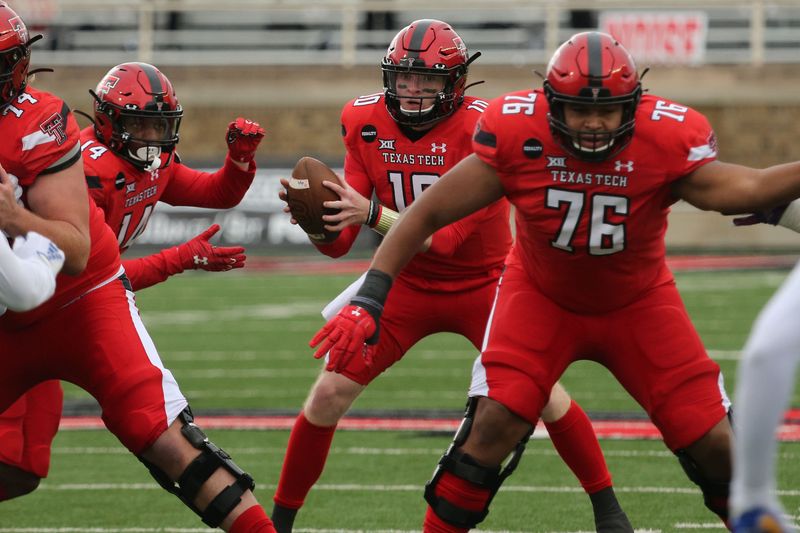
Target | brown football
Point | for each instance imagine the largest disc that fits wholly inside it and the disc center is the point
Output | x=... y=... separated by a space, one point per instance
x=306 y=194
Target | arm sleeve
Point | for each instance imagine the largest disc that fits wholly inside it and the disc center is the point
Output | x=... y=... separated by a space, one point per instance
x=447 y=240
x=222 y=189
x=24 y=283
x=147 y=271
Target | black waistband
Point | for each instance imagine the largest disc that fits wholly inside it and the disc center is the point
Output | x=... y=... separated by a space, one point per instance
x=126 y=282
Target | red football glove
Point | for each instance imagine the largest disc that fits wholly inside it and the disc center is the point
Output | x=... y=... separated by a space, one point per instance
x=243 y=138
x=198 y=253
x=344 y=337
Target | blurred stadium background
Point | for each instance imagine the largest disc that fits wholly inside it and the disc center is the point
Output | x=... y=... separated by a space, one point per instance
x=236 y=342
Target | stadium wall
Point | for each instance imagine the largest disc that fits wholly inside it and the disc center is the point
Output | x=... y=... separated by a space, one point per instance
x=754 y=110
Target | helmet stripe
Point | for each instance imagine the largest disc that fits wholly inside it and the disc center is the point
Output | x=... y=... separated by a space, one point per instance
x=417 y=38
x=157 y=90
x=595 y=55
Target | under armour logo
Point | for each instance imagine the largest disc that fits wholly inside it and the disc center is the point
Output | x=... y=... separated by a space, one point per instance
x=557 y=162
x=355 y=312
x=130 y=188
x=435 y=147
x=200 y=260
x=386 y=144
x=623 y=165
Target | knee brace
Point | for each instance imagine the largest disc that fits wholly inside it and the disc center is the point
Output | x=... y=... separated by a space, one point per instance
x=465 y=467
x=211 y=458
x=715 y=493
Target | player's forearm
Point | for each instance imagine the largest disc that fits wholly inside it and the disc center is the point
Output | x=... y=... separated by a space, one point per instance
x=407 y=237
x=75 y=242
x=222 y=189
x=381 y=219
x=153 y=269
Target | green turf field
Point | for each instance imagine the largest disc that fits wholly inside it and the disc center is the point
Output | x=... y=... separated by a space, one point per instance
x=238 y=342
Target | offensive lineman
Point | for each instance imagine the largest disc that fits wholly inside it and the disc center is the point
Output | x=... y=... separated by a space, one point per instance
x=397 y=144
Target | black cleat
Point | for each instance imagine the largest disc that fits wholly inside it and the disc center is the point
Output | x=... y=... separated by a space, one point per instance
x=608 y=515
x=283 y=518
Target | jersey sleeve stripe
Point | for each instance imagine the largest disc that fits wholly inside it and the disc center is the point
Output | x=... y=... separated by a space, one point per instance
x=698 y=153
x=66 y=161
x=485 y=138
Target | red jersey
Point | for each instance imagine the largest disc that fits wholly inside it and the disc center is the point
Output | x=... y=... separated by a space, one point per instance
x=591 y=235
x=40 y=136
x=381 y=158
x=128 y=194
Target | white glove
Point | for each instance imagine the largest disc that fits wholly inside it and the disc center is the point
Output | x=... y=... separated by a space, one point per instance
x=35 y=246
x=28 y=271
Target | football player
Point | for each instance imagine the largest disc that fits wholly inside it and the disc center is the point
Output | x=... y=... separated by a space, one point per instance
x=130 y=164
x=398 y=143
x=769 y=360
x=587 y=277
x=90 y=332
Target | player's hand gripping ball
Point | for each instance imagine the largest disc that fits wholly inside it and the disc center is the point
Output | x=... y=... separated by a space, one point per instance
x=306 y=194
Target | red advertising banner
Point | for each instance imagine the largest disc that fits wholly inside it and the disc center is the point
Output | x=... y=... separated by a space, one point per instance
x=659 y=37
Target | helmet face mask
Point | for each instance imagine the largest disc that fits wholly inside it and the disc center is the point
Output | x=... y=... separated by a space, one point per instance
x=14 y=54
x=424 y=73
x=589 y=72
x=137 y=114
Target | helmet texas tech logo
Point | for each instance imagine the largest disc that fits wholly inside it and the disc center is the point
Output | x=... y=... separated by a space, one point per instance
x=17 y=26
x=109 y=83
x=54 y=126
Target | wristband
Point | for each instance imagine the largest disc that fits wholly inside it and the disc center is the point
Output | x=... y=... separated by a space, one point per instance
x=386 y=218
x=373 y=214
x=372 y=296
x=375 y=287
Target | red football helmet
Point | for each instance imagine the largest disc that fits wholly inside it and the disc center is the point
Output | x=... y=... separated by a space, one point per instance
x=137 y=114
x=429 y=55
x=592 y=68
x=15 y=54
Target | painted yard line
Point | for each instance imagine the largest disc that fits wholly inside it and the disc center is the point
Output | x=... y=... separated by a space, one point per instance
x=236 y=313
x=293 y=355
x=357 y=450
x=609 y=429
x=356 y=487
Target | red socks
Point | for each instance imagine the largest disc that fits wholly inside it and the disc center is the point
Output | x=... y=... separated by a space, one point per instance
x=305 y=459
x=253 y=520
x=576 y=443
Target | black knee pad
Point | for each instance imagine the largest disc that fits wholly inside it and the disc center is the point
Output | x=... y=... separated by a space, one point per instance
x=465 y=467
x=211 y=458
x=715 y=493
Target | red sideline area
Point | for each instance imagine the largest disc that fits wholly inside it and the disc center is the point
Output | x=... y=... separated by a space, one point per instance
x=319 y=265
x=605 y=429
